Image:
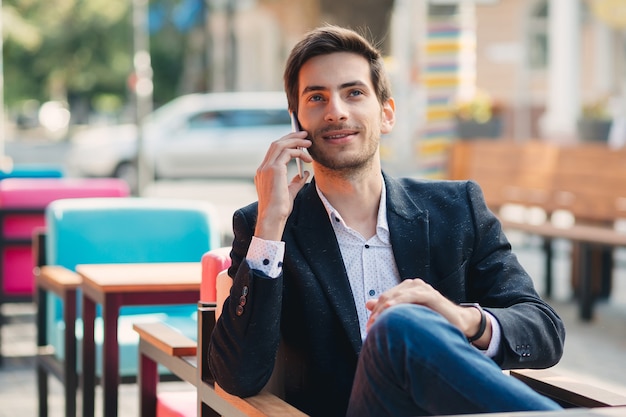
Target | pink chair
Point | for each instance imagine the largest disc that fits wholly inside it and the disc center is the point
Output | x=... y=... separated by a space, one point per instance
x=22 y=205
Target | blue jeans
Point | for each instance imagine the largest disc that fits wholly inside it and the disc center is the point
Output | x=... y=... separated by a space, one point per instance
x=415 y=363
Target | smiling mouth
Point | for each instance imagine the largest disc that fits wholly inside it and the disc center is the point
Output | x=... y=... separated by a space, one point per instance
x=339 y=135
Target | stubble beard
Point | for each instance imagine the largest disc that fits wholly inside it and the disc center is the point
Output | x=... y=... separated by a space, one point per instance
x=345 y=165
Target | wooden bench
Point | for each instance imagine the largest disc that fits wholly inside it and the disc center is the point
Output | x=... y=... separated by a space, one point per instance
x=586 y=181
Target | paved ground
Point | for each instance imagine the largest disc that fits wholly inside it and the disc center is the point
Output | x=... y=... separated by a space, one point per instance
x=595 y=351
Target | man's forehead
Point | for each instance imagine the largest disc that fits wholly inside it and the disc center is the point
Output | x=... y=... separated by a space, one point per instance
x=335 y=71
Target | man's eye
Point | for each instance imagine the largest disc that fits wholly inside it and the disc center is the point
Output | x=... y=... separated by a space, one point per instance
x=356 y=93
x=315 y=98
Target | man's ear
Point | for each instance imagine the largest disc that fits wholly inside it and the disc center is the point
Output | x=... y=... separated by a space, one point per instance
x=388 y=116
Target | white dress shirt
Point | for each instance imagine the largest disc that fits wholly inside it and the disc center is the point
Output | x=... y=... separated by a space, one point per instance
x=370 y=264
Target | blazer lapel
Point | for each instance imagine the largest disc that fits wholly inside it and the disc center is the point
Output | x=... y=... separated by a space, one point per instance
x=408 y=227
x=315 y=237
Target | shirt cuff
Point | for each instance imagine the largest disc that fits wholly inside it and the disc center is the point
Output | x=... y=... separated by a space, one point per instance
x=266 y=256
x=496 y=335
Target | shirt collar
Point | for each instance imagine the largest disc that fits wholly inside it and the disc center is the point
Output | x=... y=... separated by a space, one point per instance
x=382 y=227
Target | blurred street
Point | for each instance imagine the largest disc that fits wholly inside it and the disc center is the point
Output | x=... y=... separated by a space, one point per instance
x=32 y=147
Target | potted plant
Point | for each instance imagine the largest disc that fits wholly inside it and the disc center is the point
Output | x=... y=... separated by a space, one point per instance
x=595 y=121
x=479 y=117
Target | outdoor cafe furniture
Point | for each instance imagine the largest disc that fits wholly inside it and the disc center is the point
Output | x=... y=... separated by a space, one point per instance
x=22 y=204
x=535 y=185
x=117 y=286
x=129 y=230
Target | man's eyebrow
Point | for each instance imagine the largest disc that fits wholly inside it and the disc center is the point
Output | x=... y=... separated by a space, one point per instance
x=311 y=88
x=348 y=84
x=355 y=83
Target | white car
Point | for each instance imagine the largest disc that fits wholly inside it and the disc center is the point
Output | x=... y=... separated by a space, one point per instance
x=223 y=135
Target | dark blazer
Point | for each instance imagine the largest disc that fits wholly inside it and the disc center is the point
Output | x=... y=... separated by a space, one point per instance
x=441 y=231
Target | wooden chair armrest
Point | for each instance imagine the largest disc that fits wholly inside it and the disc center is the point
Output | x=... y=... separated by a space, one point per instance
x=57 y=279
x=568 y=391
x=166 y=339
x=264 y=404
x=160 y=344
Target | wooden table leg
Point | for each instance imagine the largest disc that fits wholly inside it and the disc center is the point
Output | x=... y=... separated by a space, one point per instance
x=89 y=356
x=70 y=372
x=148 y=379
x=42 y=375
x=547 y=250
x=110 y=354
x=585 y=282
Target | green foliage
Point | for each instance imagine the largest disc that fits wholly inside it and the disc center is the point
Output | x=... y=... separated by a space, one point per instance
x=597 y=109
x=65 y=48
x=481 y=108
x=81 y=51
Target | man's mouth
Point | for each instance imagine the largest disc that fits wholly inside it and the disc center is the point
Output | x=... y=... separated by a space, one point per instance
x=339 y=134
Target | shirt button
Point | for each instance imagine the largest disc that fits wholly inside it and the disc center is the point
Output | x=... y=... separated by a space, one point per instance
x=244 y=290
x=367 y=246
x=242 y=300
x=239 y=310
x=266 y=261
x=372 y=293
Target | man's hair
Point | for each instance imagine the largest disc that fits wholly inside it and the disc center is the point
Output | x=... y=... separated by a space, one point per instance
x=329 y=39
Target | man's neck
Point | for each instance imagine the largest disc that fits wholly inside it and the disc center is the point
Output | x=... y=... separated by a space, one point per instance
x=356 y=197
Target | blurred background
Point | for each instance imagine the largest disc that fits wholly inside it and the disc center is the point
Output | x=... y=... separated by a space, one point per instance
x=507 y=69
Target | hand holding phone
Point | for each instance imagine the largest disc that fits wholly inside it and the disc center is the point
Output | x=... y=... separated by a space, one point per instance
x=295 y=127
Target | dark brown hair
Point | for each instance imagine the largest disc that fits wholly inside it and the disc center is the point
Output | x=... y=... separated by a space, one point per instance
x=329 y=39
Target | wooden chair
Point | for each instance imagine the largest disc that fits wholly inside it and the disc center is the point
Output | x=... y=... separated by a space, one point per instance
x=106 y=230
x=163 y=345
x=160 y=344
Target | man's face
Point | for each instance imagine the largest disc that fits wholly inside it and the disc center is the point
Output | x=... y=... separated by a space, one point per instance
x=339 y=109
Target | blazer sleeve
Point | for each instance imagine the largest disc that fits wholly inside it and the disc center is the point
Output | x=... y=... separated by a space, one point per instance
x=533 y=334
x=244 y=343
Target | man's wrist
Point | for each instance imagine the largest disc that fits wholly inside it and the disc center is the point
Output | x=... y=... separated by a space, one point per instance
x=483 y=321
x=270 y=226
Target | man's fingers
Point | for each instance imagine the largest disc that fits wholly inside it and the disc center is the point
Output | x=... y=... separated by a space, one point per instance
x=283 y=150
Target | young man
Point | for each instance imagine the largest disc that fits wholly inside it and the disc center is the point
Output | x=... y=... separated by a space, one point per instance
x=363 y=279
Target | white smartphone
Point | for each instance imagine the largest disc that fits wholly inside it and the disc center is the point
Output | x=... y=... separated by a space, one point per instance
x=295 y=127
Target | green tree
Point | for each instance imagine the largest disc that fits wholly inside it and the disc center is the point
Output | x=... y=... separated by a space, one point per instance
x=73 y=50
x=80 y=51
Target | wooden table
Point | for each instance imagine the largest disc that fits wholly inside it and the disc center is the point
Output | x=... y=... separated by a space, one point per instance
x=588 y=238
x=117 y=285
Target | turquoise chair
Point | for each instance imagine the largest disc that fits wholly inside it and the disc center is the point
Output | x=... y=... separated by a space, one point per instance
x=32 y=171
x=123 y=230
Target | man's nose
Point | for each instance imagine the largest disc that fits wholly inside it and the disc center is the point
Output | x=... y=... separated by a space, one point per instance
x=336 y=110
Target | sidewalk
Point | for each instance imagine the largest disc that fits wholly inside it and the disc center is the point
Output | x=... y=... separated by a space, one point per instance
x=595 y=352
